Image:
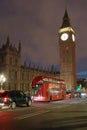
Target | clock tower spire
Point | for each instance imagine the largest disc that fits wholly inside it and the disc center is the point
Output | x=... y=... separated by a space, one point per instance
x=67 y=52
x=66 y=20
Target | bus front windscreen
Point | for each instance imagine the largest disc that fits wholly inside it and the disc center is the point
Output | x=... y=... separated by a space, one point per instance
x=35 y=88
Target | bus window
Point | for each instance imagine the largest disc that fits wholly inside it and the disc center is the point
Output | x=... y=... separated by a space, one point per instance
x=54 y=90
x=36 y=87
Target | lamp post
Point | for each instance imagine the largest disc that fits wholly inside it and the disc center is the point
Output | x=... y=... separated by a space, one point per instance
x=2 y=80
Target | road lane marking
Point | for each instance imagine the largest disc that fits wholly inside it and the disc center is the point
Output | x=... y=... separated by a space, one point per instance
x=31 y=114
x=37 y=113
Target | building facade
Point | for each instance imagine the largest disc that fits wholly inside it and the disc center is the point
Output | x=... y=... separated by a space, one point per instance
x=18 y=76
x=67 y=52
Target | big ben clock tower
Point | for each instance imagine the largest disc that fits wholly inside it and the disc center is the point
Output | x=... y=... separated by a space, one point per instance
x=67 y=52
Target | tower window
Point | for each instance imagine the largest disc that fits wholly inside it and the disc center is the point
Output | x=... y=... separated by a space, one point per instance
x=16 y=75
x=16 y=61
x=10 y=61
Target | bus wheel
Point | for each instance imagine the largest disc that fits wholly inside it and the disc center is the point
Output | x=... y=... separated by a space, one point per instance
x=50 y=98
x=62 y=97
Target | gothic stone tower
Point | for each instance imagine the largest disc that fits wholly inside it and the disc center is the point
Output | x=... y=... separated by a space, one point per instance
x=10 y=62
x=67 y=52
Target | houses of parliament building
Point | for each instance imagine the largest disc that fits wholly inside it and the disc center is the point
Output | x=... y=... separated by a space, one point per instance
x=18 y=76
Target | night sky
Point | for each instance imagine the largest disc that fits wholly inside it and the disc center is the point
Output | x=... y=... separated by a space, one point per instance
x=36 y=22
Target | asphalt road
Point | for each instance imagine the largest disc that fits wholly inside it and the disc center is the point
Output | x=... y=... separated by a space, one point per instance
x=67 y=115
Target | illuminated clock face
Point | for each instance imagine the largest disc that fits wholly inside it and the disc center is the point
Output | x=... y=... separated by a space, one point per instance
x=64 y=36
x=73 y=37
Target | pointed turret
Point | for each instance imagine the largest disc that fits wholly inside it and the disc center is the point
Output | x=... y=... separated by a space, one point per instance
x=66 y=20
x=8 y=41
x=19 y=48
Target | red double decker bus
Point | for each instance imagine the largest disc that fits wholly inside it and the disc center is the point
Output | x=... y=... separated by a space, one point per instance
x=47 y=88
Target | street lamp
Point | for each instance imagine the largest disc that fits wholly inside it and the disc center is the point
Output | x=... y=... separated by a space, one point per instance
x=2 y=80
